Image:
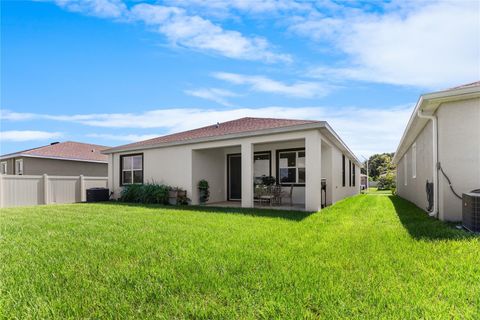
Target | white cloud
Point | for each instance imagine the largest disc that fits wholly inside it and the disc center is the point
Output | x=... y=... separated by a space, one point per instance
x=27 y=135
x=301 y=89
x=221 y=8
x=432 y=44
x=126 y=138
x=98 y=8
x=213 y=94
x=366 y=131
x=195 y=32
x=15 y=116
x=182 y=29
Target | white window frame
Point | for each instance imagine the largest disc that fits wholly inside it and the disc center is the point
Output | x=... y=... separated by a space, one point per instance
x=4 y=167
x=19 y=169
x=296 y=167
x=414 y=160
x=405 y=168
x=132 y=170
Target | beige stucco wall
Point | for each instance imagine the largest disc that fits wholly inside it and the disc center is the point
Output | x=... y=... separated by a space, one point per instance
x=183 y=166
x=210 y=164
x=458 y=153
x=414 y=191
x=38 y=166
x=340 y=192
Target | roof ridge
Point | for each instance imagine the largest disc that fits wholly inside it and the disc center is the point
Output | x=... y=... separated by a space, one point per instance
x=85 y=143
x=244 y=124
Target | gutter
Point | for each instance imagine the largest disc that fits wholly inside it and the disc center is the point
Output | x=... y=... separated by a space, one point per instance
x=22 y=155
x=316 y=125
x=433 y=118
x=432 y=101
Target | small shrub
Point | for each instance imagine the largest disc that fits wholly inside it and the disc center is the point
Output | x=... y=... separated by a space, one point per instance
x=268 y=180
x=386 y=181
x=145 y=193
x=131 y=193
x=204 y=187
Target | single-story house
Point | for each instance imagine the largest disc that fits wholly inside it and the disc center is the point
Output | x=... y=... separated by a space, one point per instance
x=60 y=159
x=232 y=155
x=440 y=144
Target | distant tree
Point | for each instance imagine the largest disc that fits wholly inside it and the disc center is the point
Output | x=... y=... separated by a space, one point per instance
x=379 y=164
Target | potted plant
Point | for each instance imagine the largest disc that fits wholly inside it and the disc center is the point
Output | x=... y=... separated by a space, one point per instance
x=268 y=180
x=172 y=195
x=204 y=192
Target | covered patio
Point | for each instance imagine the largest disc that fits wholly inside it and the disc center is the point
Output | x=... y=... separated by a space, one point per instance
x=240 y=175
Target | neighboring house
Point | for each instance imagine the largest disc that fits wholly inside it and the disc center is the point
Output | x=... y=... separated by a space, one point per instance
x=231 y=155
x=443 y=132
x=60 y=159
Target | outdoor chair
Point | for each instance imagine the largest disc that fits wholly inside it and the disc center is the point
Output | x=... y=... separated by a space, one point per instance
x=287 y=194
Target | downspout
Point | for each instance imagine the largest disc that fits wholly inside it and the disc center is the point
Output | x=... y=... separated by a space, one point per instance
x=434 y=119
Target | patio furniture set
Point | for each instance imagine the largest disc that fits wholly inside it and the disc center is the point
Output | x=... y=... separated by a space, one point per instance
x=272 y=194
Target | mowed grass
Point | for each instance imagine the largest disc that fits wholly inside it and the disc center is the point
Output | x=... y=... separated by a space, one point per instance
x=376 y=191
x=366 y=257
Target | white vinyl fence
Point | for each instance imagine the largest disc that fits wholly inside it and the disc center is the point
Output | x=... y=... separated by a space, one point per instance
x=18 y=190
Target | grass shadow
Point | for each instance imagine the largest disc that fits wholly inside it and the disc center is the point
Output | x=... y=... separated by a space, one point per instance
x=294 y=215
x=420 y=226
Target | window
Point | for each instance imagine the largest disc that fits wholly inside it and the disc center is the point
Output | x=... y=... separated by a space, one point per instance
x=343 y=170
x=291 y=166
x=131 y=169
x=349 y=173
x=414 y=160
x=261 y=166
x=405 y=167
x=3 y=168
x=353 y=174
x=19 y=166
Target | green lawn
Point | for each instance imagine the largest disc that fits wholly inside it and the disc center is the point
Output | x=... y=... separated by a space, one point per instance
x=376 y=191
x=366 y=257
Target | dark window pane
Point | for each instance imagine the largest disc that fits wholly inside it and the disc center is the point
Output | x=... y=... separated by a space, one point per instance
x=288 y=175
x=137 y=162
x=301 y=175
x=289 y=157
x=127 y=177
x=301 y=154
x=137 y=176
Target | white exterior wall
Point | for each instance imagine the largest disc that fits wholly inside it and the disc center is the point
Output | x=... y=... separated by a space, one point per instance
x=210 y=165
x=340 y=192
x=184 y=165
x=458 y=153
x=415 y=191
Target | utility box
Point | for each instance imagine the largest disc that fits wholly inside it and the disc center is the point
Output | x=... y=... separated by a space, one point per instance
x=97 y=194
x=471 y=211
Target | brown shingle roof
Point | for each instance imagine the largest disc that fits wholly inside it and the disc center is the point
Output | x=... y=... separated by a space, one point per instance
x=230 y=127
x=66 y=150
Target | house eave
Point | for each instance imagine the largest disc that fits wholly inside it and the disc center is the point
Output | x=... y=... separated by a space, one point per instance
x=231 y=136
x=309 y=126
x=429 y=104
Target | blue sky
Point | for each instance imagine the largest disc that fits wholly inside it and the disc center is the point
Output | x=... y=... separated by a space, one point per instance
x=111 y=72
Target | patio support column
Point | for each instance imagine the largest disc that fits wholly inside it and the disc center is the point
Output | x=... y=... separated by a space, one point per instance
x=247 y=175
x=313 y=168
